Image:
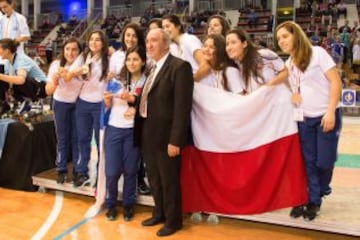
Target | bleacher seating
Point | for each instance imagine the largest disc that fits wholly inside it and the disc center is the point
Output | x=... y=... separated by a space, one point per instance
x=262 y=24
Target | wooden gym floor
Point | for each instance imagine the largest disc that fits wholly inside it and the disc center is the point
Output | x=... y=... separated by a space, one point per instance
x=60 y=215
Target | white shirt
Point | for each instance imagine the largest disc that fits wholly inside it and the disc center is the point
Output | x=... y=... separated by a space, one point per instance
x=233 y=79
x=66 y=92
x=116 y=62
x=119 y=106
x=314 y=86
x=93 y=88
x=14 y=26
x=272 y=64
x=188 y=44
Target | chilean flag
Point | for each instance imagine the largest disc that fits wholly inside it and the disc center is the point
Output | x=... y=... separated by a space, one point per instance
x=247 y=156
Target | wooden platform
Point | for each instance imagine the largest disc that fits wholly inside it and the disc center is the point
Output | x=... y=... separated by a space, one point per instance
x=340 y=212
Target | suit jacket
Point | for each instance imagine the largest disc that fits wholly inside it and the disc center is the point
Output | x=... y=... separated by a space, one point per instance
x=168 y=107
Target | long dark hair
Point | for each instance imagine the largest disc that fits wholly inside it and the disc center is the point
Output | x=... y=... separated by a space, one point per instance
x=176 y=21
x=139 y=34
x=62 y=54
x=222 y=61
x=104 y=53
x=125 y=75
x=224 y=23
x=251 y=60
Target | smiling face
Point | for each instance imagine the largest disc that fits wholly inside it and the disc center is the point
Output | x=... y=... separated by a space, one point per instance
x=130 y=38
x=95 y=43
x=156 y=46
x=285 y=40
x=134 y=63
x=170 y=29
x=235 y=48
x=6 y=8
x=215 y=26
x=71 y=52
x=209 y=50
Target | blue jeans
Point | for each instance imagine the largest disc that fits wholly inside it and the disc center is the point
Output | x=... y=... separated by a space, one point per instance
x=319 y=150
x=65 y=127
x=121 y=157
x=87 y=123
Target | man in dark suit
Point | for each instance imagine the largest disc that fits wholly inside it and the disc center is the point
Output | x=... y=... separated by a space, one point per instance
x=164 y=113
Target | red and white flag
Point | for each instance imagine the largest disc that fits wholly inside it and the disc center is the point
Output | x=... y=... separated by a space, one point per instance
x=246 y=157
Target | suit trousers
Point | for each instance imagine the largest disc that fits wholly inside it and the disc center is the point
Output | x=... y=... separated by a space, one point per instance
x=164 y=178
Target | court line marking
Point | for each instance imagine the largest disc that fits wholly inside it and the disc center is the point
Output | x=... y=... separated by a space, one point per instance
x=72 y=228
x=55 y=211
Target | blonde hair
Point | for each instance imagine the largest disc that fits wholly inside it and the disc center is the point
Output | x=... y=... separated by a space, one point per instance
x=302 y=45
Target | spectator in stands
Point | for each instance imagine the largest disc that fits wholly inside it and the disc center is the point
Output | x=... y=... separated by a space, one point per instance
x=252 y=18
x=39 y=60
x=315 y=38
x=121 y=156
x=61 y=31
x=13 y=25
x=22 y=72
x=73 y=20
x=49 y=50
x=356 y=56
x=186 y=46
x=46 y=24
x=132 y=36
x=270 y=23
x=341 y=9
x=345 y=39
x=316 y=87
x=345 y=26
x=65 y=86
x=263 y=4
x=327 y=15
x=217 y=24
x=337 y=51
x=258 y=66
x=94 y=63
x=314 y=8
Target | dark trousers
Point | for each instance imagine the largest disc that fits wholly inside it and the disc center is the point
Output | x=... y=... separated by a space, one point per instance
x=87 y=124
x=66 y=134
x=31 y=89
x=164 y=178
x=319 y=150
x=121 y=158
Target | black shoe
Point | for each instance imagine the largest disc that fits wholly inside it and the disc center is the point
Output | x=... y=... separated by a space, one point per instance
x=326 y=192
x=165 y=231
x=61 y=178
x=151 y=222
x=74 y=176
x=143 y=188
x=81 y=180
x=297 y=211
x=311 y=211
x=128 y=213
x=111 y=214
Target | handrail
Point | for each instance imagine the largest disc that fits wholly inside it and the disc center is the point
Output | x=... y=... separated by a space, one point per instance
x=90 y=25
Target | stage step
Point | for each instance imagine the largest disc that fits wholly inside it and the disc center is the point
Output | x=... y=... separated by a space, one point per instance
x=337 y=214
